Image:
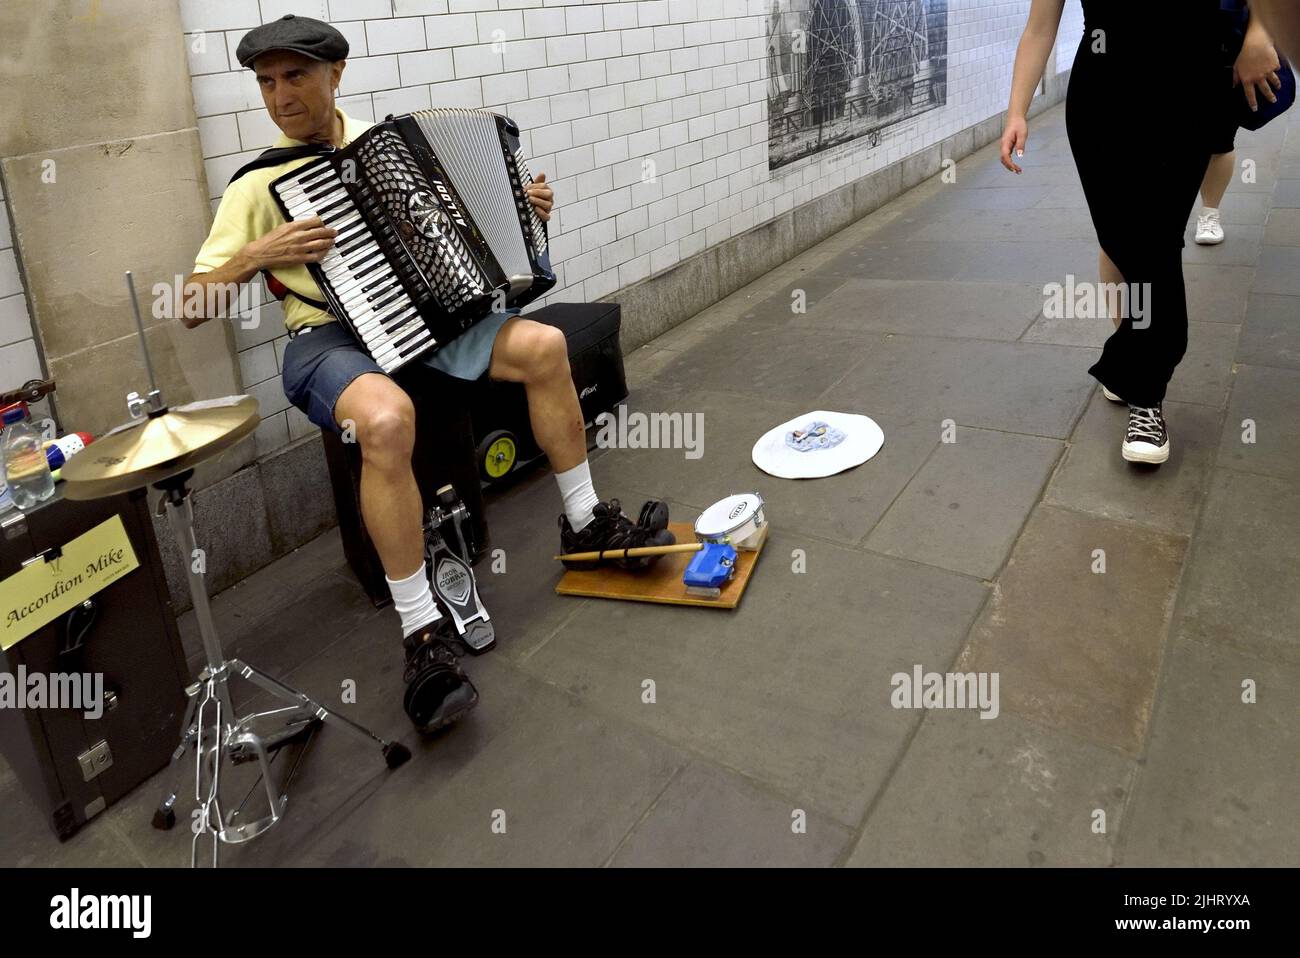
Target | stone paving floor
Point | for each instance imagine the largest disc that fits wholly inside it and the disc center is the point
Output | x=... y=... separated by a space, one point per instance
x=1121 y=738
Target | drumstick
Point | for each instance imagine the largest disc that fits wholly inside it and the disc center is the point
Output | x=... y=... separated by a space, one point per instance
x=632 y=553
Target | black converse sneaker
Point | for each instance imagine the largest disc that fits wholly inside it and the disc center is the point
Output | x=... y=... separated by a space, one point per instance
x=438 y=692
x=1147 y=438
x=610 y=528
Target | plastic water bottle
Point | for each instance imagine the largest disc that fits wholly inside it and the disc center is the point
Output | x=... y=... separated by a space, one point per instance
x=6 y=497
x=27 y=471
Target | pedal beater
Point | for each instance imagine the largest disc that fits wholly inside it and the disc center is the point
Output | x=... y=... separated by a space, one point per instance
x=447 y=549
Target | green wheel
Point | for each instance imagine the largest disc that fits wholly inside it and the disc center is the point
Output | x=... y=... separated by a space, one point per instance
x=498 y=454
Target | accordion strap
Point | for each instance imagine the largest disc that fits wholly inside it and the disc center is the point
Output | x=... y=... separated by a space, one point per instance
x=275 y=157
x=281 y=154
x=280 y=291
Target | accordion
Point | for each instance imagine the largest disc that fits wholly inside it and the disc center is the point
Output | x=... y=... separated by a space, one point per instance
x=435 y=230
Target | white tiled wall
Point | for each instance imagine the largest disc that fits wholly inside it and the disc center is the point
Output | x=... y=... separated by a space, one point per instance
x=598 y=88
x=1068 y=36
x=19 y=361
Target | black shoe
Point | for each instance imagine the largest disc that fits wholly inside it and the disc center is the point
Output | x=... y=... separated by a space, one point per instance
x=611 y=529
x=438 y=692
x=1147 y=437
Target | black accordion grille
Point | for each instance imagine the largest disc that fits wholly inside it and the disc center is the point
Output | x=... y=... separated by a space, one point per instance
x=387 y=177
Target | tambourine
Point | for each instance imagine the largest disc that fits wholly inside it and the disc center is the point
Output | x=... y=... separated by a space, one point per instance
x=737 y=521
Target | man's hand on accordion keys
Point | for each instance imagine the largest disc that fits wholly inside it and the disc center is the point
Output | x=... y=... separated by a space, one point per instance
x=541 y=196
x=294 y=243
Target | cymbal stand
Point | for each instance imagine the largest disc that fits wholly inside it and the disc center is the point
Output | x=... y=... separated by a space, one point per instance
x=177 y=440
x=210 y=724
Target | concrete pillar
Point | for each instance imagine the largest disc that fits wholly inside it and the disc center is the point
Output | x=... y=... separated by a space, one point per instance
x=99 y=150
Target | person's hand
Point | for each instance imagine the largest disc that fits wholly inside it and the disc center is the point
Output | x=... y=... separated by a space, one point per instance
x=1014 y=135
x=301 y=241
x=541 y=196
x=1256 y=70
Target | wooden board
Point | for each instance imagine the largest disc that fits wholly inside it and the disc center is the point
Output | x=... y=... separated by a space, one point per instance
x=662 y=582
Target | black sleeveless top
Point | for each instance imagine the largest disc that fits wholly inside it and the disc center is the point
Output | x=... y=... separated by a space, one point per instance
x=1158 y=56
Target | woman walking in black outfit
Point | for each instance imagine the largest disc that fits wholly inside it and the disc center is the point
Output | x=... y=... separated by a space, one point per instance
x=1137 y=123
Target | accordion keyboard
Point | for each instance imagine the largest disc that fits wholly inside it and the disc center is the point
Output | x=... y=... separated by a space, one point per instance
x=382 y=315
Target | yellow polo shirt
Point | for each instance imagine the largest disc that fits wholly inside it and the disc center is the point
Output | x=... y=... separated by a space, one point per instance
x=247 y=212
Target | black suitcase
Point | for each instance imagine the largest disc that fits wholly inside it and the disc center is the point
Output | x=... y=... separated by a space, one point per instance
x=73 y=766
x=502 y=432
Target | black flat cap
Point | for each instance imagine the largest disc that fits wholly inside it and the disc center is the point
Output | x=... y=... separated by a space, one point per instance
x=302 y=35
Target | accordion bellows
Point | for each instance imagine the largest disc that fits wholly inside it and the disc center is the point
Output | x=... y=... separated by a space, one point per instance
x=435 y=229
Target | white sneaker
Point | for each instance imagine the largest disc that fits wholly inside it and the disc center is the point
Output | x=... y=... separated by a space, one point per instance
x=1209 y=231
x=1110 y=395
x=1147 y=438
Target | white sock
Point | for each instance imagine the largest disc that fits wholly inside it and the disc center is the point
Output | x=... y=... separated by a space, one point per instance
x=1207 y=210
x=578 y=495
x=413 y=600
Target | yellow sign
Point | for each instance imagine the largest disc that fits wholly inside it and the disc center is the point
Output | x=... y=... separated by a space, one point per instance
x=47 y=588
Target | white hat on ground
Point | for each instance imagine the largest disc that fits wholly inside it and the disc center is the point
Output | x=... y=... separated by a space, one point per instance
x=817 y=444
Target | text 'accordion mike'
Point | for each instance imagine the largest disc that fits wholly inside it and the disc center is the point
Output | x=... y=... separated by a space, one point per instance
x=435 y=230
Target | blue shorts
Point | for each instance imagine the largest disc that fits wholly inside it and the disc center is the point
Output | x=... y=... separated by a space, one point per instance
x=319 y=364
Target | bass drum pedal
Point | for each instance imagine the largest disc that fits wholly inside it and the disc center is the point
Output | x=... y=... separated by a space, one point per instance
x=448 y=547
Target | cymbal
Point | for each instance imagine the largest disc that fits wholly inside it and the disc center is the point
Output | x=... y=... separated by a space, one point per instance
x=151 y=448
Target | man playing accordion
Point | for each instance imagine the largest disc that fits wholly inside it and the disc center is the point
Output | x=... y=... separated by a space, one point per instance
x=298 y=63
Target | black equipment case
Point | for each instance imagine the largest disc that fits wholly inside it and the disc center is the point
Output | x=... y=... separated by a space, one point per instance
x=73 y=766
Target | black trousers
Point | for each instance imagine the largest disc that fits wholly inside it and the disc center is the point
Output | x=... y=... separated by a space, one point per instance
x=1140 y=135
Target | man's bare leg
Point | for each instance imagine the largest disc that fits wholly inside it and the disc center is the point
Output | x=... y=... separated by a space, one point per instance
x=536 y=355
x=438 y=692
x=383 y=418
x=384 y=421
